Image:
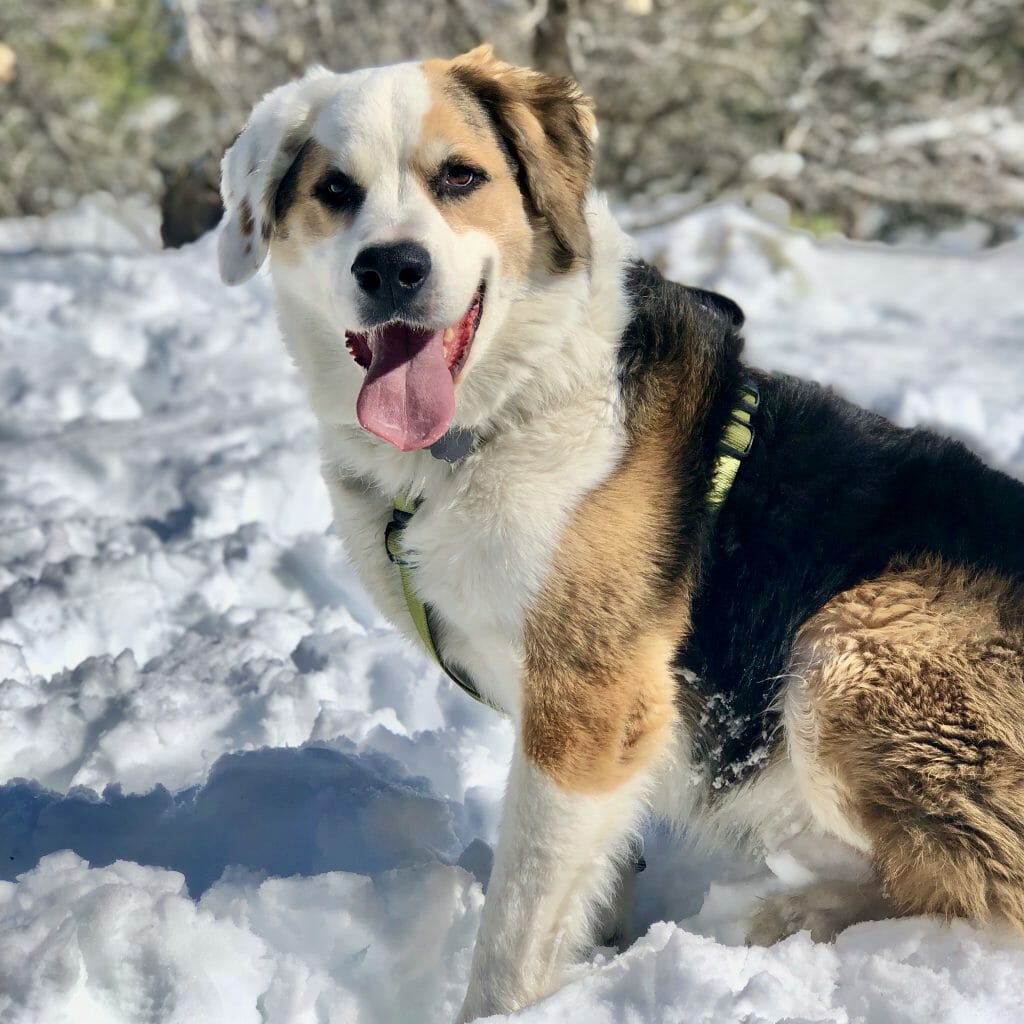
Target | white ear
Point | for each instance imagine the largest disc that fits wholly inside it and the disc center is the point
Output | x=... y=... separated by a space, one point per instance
x=254 y=165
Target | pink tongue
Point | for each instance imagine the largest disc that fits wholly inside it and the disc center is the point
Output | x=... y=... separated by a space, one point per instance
x=408 y=396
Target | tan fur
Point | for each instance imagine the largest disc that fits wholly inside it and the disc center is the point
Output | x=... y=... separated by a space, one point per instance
x=914 y=714
x=548 y=126
x=600 y=694
x=599 y=690
x=307 y=220
x=456 y=130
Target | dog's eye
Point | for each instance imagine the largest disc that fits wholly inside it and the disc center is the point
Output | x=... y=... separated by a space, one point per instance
x=458 y=179
x=339 y=192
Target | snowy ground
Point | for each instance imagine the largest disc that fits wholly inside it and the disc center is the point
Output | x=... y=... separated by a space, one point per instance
x=231 y=794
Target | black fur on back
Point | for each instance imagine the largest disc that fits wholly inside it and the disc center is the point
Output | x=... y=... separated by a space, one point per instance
x=828 y=497
x=687 y=341
x=666 y=317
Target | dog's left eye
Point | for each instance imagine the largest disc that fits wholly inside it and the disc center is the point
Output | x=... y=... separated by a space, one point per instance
x=458 y=179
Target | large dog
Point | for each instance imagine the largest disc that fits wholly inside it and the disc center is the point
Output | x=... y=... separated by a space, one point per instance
x=697 y=589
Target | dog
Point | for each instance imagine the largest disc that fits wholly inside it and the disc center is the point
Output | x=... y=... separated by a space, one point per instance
x=700 y=591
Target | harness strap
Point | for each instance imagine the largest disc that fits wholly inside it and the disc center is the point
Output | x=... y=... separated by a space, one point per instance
x=418 y=611
x=736 y=444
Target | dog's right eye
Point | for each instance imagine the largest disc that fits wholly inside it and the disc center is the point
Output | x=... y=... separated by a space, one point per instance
x=339 y=192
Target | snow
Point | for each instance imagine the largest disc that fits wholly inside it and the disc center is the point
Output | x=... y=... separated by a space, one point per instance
x=230 y=793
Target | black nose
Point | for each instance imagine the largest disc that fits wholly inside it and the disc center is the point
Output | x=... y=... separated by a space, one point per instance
x=390 y=275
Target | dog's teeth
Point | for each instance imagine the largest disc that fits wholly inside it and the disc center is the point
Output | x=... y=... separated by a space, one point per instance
x=449 y=334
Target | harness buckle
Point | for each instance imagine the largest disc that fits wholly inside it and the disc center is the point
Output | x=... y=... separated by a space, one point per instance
x=738 y=440
x=727 y=446
x=392 y=536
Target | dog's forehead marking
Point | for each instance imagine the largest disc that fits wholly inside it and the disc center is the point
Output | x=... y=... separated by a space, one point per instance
x=454 y=117
x=374 y=120
x=369 y=123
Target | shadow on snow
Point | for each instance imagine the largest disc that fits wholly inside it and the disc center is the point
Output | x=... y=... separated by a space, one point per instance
x=279 y=811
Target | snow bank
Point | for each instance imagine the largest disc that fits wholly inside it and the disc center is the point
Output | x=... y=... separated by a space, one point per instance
x=100 y=223
x=278 y=810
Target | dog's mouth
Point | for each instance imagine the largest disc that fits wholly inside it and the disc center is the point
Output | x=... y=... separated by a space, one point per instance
x=408 y=396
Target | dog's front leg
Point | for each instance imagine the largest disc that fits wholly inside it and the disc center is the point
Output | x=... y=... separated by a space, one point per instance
x=597 y=716
x=556 y=866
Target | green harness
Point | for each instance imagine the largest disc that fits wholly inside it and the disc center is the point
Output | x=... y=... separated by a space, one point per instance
x=735 y=445
x=418 y=611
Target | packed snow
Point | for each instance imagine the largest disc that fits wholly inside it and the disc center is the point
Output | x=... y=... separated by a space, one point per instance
x=232 y=794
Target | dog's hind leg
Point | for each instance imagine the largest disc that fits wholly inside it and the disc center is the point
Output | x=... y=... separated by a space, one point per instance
x=912 y=716
x=823 y=908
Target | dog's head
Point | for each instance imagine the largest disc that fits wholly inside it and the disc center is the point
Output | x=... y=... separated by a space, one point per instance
x=407 y=211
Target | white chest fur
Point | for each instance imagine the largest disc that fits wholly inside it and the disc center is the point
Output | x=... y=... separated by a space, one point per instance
x=484 y=535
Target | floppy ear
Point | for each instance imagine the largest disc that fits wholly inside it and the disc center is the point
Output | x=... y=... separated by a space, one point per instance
x=548 y=127
x=254 y=165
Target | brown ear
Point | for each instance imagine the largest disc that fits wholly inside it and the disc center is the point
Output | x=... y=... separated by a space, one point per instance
x=547 y=126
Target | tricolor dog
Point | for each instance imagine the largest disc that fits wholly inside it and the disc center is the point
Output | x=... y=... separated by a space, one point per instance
x=699 y=590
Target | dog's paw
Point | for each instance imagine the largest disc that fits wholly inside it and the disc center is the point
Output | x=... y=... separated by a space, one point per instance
x=824 y=909
x=778 y=917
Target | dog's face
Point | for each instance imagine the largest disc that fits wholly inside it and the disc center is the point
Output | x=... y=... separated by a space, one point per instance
x=407 y=212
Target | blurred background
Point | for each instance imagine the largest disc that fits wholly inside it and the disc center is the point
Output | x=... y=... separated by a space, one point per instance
x=899 y=120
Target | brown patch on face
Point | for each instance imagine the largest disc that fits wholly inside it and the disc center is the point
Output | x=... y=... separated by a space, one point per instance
x=455 y=129
x=546 y=127
x=915 y=703
x=600 y=689
x=300 y=218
